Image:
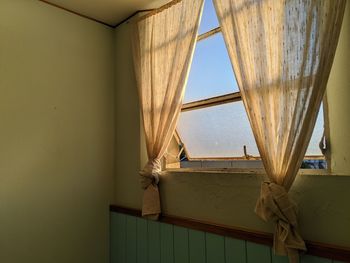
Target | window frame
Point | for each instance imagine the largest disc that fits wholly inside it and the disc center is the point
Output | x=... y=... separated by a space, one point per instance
x=235 y=97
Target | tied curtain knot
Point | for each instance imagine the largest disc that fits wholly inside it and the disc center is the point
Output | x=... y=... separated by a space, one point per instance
x=149 y=182
x=274 y=204
x=150 y=173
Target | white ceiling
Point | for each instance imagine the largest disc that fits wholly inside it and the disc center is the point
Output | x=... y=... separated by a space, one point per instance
x=110 y=12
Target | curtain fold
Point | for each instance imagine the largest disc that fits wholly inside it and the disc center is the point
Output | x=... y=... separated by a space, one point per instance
x=163 y=44
x=281 y=53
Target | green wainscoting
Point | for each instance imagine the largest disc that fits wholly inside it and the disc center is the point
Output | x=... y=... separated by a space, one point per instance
x=137 y=240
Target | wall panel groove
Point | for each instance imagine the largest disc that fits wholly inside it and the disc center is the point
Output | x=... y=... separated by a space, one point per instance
x=134 y=239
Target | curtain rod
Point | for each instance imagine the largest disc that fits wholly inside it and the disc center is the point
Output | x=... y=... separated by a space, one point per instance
x=132 y=15
x=160 y=9
x=152 y=12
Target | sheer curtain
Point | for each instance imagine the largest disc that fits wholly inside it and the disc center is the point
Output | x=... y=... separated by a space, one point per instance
x=163 y=44
x=282 y=53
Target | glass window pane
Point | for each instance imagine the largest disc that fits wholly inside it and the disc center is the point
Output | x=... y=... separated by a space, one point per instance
x=223 y=130
x=209 y=19
x=211 y=72
x=317 y=134
x=219 y=131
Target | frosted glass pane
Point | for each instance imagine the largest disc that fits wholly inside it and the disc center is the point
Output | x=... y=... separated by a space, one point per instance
x=219 y=131
x=209 y=19
x=211 y=72
x=222 y=131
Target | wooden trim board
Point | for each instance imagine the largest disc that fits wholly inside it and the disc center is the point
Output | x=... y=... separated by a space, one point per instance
x=94 y=19
x=76 y=13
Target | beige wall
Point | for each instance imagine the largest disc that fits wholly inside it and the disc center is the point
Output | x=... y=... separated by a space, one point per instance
x=56 y=135
x=338 y=94
x=230 y=198
x=127 y=123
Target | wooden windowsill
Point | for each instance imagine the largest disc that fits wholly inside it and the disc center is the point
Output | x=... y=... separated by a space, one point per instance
x=253 y=171
x=217 y=170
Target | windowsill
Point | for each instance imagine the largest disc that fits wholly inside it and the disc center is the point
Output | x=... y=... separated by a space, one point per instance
x=216 y=170
x=252 y=171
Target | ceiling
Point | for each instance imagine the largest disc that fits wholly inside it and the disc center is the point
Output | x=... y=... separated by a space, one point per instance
x=110 y=12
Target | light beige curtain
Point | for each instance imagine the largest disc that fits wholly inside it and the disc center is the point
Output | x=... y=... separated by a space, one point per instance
x=282 y=52
x=163 y=44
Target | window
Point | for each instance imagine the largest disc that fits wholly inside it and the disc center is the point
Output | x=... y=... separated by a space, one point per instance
x=213 y=128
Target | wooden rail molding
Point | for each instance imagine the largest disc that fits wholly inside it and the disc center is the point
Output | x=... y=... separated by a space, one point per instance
x=313 y=248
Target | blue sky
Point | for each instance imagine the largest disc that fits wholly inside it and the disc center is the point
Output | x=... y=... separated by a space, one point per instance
x=211 y=72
